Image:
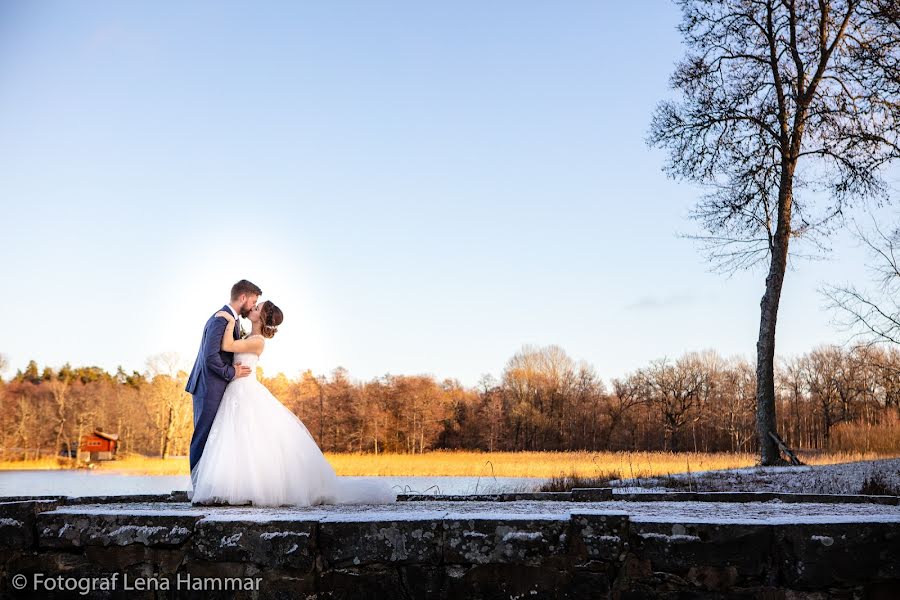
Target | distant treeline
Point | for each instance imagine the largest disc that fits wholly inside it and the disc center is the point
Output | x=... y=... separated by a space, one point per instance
x=831 y=398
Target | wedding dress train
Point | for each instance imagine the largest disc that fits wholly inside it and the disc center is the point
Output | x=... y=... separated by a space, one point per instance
x=259 y=452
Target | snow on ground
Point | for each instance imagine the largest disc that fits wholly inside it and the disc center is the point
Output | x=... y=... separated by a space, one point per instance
x=844 y=478
x=93 y=483
x=692 y=512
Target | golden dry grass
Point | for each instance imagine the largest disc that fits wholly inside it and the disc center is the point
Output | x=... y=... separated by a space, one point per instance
x=549 y=464
x=132 y=464
x=474 y=464
x=37 y=464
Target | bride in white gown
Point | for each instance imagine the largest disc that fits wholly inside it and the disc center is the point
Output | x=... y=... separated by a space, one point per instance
x=259 y=452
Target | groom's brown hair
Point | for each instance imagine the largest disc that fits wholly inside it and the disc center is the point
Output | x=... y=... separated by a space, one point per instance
x=244 y=287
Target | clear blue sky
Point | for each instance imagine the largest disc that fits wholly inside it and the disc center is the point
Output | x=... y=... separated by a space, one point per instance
x=422 y=187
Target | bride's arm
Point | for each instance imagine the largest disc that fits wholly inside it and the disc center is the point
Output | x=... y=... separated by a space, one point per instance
x=229 y=344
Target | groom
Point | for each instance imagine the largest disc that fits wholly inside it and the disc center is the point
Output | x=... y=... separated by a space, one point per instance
x=213 y=369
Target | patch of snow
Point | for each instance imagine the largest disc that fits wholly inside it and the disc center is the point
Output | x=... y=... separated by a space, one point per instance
x=435 y=510
x=269 y=535
x=260 y=515
x=785 y=520
x=842 y=478
x=608 y=538
x=824 y=539
x=621 y=488
x=675 y=537
x=162 y=509
x=138 y=530
x=496 y=512
x=529 y=536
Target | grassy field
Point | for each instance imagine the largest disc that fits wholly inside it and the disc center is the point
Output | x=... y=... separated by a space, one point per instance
x=610 y=465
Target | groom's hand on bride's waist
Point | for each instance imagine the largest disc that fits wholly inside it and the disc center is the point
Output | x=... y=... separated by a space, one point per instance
x=240 y=370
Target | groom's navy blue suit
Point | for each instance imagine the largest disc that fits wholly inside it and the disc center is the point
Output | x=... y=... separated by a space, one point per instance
x=211 y=373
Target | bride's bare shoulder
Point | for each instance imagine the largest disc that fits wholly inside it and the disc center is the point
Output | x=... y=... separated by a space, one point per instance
x=258 y=342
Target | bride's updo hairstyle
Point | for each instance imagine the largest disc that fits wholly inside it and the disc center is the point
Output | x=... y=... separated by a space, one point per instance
x=271 y=317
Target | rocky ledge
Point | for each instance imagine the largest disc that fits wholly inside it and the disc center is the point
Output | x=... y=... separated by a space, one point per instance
x=162 y=547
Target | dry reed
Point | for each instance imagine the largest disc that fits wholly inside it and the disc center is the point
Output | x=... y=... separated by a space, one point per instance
x=473 y=464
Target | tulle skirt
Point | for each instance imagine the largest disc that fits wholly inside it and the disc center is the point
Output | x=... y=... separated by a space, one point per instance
x=259 y=452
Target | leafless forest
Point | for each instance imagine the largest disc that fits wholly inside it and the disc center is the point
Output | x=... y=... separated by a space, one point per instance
x=833 y=398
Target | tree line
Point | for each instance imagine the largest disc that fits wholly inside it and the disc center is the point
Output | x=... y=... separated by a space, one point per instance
x=831 y=398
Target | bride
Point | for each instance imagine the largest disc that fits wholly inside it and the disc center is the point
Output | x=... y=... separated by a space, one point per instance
x=258 y=451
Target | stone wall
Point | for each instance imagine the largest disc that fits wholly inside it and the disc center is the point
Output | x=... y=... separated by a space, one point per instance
x=592 y=554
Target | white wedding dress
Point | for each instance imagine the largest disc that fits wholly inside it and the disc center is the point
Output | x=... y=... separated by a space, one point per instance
x=259 y=452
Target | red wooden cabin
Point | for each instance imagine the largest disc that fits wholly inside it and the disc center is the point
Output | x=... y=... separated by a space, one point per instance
x=98 y=446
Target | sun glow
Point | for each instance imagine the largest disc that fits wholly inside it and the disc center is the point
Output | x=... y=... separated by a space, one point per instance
x=200 y=284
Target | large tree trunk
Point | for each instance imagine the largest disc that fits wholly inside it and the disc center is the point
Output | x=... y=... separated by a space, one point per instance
x=765 y=347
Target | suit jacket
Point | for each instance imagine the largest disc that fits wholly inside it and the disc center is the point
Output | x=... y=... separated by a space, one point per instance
x=213 y=369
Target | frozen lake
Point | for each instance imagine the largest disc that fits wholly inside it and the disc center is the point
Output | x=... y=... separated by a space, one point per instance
x=94 y=483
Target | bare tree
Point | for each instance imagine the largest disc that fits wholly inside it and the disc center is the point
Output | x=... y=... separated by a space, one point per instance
x=582 y=417
x=789 y=113
x=792 y=379
x=537 y=382
x=492 y=408
x=628 y=393
x=872 y=314
x=822 y=372
x=676 y=389
x=170 y=402
x=4 y=364
x=59 y=389
x=733 y=400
